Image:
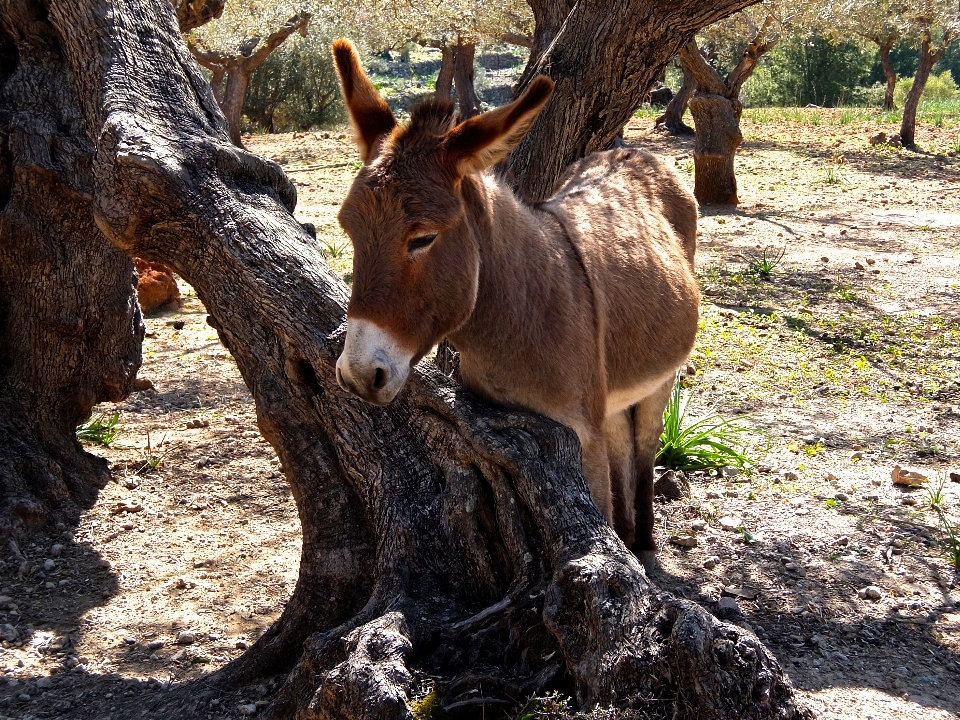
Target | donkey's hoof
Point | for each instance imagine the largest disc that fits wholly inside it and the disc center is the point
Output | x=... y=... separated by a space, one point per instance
x=649 y=560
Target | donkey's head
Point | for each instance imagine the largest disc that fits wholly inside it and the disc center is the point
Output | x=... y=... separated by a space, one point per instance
x=416 y=258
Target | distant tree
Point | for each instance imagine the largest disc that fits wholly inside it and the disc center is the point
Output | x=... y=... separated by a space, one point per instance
x=234 y=47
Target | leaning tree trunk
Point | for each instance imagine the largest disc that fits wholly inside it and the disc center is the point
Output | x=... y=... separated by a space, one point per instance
x=928 y=58
x=70 y=326
x=439 y=535
x=889 y=73
x=444 y=86
x=604 y=58
x=672 y=118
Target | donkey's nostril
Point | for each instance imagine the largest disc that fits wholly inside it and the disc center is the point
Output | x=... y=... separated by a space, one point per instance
x=380 y=379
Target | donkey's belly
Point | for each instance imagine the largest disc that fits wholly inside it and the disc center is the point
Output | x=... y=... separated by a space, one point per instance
x=620 y=399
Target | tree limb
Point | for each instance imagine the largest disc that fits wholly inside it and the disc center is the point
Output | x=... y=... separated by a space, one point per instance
x=298 y=23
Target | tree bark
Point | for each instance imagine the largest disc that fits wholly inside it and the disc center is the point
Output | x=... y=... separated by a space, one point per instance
x=602 y=73
x=439 y=535
x=889 y=73
x=928 y=58
x=672 y=118
x=463 y=73
x=444 y=86
x=70 y=326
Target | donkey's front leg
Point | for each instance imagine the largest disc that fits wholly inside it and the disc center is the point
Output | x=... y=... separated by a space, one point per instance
x=597 y=471
x=647 y=426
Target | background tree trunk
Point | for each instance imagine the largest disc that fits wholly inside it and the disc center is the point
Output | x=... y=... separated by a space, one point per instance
x=717 y=119
x=70 y=326
x=602 y=73
x=928 y=58
x=444 y=86
x=463 y=72
x=889 y=73
x=672 y=118
x=438 y=534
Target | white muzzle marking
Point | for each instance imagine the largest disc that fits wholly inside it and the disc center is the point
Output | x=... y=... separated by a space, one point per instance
x=373 y=365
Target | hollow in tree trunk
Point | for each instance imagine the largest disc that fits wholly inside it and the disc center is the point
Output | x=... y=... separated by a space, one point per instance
x=439 y=535
x=889 y=73
x=672 y=118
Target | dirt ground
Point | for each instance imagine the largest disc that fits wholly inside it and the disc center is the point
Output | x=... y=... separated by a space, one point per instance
x=847 y=356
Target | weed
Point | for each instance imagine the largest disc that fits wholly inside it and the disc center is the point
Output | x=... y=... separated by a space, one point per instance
x=100 y=430
x=935 y=493
x=763 y=265
x=831 y=176
x=925 y=228
x=830 y=503
x=847 y=116
x=687 y=167
x=151 y=456
x=709 y=442
x=748 y=537
x=334 y=249
x=953 y=542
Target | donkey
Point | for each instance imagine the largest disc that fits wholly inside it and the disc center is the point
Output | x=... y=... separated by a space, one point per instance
x=580 y=308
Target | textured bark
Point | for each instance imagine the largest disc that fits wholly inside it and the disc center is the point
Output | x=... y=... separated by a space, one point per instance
x=929 y=56
x=889 y=73
x=444 y=86
x=239 y=68
x=194 y=13
x=716 y=111
x=672 y=118
x=604 y=58
x=70 y=327
x=439 y=535
x=463 y=74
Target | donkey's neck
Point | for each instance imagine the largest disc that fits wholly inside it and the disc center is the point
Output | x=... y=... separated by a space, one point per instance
x=526 y=266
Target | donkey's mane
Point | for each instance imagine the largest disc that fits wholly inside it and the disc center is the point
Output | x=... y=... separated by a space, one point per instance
x=429 y=118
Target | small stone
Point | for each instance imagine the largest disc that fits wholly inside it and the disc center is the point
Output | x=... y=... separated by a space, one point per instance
x=186 y=638
x=247 y=709
x=44 y=682
x=871 y=592
x=714 y=495
x=130 y=640
x=50 y=585
x=790 y=476
x=104 y=563
x=698 y=525
x=9 y=633
x=871 y=497
x=908 y=500
x=841 y=496
x=684 y=540
x=56 y=549
x=49 y=565
x=155 y=644
x=830 y=477
x=154 y=656
x=672 y=485
x=241 y=645
x=730 y=523
x=23 y=697
x=728 y=606
x=731 y=471
x=710 y=562
x=955 y=477
x=907 y=477
x=842 y=541
x=141 y=384
x=5 y=600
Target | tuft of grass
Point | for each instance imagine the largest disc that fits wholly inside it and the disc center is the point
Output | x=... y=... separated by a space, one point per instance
x=101 y=430
x=334 y=249
x=831 y=176
x=953 y=542
x=764 y=264
x=935 y=493
x=710 y=442
x=151 y=456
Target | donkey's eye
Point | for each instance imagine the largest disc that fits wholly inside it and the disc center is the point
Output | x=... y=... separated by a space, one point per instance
x=420 y=242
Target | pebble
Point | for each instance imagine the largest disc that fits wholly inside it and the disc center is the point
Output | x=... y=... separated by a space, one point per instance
x=872 y=497
x=56 y=549
x=5 y=600
x=44 y=682
x=186 y=638
x=698 y=525
x=790 y=476
x=714 y=495
x=684 y=540
x=154 y=644
x=728 y=606
x=49 y=565
x=842 y=541
x=842 y=497
x=710 y=562
x=104 y=563
x=730 y=522
x=23 y=697
x=871 y=592
x=241 y=645
x=8 y=632
x=247 y=709
x=49 y=586
x=908 y=500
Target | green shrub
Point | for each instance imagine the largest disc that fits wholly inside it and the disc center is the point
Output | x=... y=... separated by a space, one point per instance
x=938 y=87
x=295 y=88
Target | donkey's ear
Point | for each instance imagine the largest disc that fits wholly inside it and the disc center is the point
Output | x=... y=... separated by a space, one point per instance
x=481 y=141
x=372 y=118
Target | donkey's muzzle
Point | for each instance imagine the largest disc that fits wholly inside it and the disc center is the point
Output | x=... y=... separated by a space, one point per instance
x=373 y=365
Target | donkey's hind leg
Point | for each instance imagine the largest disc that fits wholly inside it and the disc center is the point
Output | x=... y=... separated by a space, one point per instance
x=647 y=427
x=618 y=430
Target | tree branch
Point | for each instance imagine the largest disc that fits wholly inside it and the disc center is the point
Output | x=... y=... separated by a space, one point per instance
x=298 y=23
x=708 y=80
x=757 y=48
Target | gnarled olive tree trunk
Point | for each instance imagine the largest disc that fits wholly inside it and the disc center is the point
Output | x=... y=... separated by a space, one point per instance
x=672 y=118
x=439 y=535
x=70 y=326
x=930 y=54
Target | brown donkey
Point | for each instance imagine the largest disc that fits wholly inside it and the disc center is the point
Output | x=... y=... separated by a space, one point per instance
x=580 y=308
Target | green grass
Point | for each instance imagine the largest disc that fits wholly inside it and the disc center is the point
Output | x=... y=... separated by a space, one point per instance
x=101 y=430
x=953 y=542
x=765 y=263
x=710 y=442
x=831 y=176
